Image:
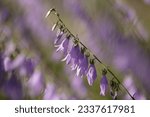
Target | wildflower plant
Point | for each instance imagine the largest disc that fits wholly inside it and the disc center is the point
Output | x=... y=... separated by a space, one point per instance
x=83 y=60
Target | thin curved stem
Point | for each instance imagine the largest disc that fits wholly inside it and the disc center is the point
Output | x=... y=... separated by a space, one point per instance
x=91 y=53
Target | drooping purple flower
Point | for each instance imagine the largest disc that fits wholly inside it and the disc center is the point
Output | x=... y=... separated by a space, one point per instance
x=73 y=57
x=13 y=88
x=67 y=58
x=103 y=85
x=63 y=46
x=58 y=36
x=82 y=68
x=91 y=74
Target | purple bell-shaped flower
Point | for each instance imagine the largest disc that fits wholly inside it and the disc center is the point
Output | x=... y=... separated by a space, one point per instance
x=103 y=85
x=91 y=74
x=63 y=46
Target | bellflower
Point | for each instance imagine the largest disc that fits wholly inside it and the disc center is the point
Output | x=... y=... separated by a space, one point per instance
x=83 y=66
x=91 y=74
x=67 y=58
x=75 y=56
x=63 y=46
x=58 y=37
x=72 y=56
x=103 y=85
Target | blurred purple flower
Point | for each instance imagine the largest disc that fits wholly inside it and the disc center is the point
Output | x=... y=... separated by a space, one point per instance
x=78 y=86
x=12 y=64
x=4 y=15
x=36 y=83
x=33 y=11
x=76 y=8
x=50 y=92
x=13 y=88
x=63 y=46
x=7 y=64
x=91 y=74
x=128 y=13
x=129 y=84
x=138 y=96
x=103 y=85
x=27 y=68
x=147 y=2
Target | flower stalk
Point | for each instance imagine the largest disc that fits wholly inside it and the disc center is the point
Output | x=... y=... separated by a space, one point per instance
x=74 y=38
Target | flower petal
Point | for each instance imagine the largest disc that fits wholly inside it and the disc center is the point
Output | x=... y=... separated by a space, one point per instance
x=91 y=74
x=103 y=85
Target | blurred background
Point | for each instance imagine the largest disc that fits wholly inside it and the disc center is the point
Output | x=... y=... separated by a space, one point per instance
x=116 y=31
